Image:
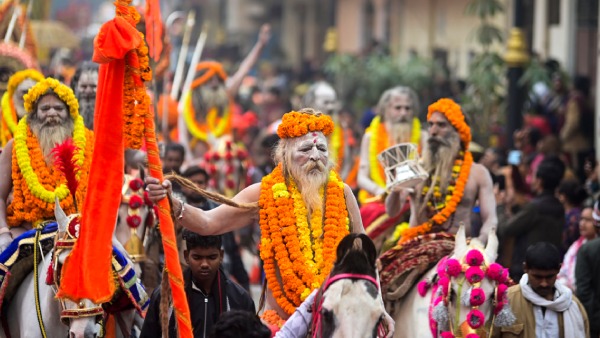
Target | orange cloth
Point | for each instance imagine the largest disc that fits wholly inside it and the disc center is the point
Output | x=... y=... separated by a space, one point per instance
x=87 y=271
x=154 y=29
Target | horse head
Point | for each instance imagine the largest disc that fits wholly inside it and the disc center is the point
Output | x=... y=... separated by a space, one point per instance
x=471 y=290
x=81 y=317
x=350 y=296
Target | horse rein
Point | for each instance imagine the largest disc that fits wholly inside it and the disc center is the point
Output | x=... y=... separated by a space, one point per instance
x=341 y=276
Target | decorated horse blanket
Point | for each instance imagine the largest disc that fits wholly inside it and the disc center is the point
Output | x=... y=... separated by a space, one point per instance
x=403 y=265
x=17 y=261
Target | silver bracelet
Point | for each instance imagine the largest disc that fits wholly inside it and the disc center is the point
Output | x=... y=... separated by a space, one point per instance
x=180 y=216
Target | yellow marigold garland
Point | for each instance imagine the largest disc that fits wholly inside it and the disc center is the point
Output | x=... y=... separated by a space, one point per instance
x=64 y=93
x=214 y=125
x=35 y=183
x=443 y=215
x=454 y=114
x=9 y=113
x=296 y=124
x=379 y=141
x=337 y=145
x=285 y=242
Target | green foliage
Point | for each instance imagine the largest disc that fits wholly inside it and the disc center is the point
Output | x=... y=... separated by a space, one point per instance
x=360 y=81
x=484 y=8
x=487 y=34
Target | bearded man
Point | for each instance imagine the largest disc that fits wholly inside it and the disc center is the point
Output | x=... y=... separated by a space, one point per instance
x=295 y=201
x=12 y=101
x=84 y=85
x=446 y=199
x=394 y=124
x=342 y=144
x=36 y=183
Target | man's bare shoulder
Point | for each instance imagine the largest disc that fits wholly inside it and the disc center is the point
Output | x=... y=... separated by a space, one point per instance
x=480 y=172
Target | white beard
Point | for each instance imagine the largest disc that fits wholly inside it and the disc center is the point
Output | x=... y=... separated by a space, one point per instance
x=50 y=135
x=309 y=182
x=400 y=132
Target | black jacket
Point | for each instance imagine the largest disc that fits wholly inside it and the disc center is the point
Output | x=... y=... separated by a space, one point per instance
x=204 y=311
x=587 y=279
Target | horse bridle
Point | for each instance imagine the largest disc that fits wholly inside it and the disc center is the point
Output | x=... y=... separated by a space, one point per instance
x=318 y=302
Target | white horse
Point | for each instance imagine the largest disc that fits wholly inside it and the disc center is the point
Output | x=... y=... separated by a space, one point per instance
x=415 y=313
x=348 y=303
x=60 y=317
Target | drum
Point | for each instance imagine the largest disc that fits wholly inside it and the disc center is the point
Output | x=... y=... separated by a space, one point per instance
x=401 y=166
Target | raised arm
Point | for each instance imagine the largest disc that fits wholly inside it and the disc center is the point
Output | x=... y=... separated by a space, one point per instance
x=217 y=221
x=234 y=82
x=487 y=201
x=364 y=172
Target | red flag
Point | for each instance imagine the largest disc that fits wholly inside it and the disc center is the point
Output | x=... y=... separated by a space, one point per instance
x=154 y=29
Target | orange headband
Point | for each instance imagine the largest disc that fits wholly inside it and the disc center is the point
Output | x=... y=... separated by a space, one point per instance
x=210 y=68
x=455 y=116
x=296 y=124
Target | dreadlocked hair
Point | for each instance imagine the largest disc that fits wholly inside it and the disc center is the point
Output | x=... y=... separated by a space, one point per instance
x=184 y=182
x=166 y=299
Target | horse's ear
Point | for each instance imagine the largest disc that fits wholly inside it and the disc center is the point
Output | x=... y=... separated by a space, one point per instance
x=344 y=246
x=491 y=249
x=61 y=218
x=369 y=248
x=460 y=242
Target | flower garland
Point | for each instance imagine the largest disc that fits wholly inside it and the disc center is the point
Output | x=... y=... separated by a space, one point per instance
x=442 y=216
x=64 y=93
x=9 y=113
x=214 y=125
x=35 y=184
x=286 y=237
x=337 y=145
x=454 y=114
x=379 y=141
x=296 y=124
x=433 y=205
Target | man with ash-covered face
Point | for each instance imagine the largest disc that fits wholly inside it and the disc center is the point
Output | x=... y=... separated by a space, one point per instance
x=84 y=85
x=446 y=199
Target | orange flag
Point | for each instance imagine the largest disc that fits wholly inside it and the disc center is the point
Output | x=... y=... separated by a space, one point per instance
x=154 y=29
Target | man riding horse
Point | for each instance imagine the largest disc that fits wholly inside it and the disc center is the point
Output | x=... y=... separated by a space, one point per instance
x=440 y=204
x=304 y=210
x=35 y=182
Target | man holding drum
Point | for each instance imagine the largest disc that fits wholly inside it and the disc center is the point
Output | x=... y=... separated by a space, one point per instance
x=446 y=199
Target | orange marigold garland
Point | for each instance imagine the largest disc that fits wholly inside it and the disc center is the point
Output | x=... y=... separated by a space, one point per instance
x=280 y=244
x=454 y=114
x=296 y=124
x=25 y=207
x=443 y=215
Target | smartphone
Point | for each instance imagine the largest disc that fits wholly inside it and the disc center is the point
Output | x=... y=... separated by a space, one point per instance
x=514 y=157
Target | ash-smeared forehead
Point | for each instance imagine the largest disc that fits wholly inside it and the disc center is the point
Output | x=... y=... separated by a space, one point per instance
x=313 y=137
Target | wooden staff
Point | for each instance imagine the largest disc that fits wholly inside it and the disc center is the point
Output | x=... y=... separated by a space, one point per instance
x=191 y=20
x=13 y=22
x=24 y=31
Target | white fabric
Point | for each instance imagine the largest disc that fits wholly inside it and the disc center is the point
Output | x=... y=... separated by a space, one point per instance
x=298 y=324
x=563 y=302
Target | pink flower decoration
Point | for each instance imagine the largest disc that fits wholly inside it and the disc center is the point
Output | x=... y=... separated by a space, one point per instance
x=477 y=297
x=494 y=271
x=472 y=335
x=441 y=267
x=447 y=334
x=136 y=184
x=474 y=274
x=504 y=277
x=474 y=258
x=475 y=318
x=453 y=267
x=501 y=292
x=422 y=288
x=444 y=283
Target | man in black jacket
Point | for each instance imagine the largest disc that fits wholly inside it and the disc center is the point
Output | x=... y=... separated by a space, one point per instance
x=587 y=277
x=209 y=291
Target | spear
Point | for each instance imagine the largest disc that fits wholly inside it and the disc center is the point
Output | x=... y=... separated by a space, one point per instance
x=191 y=19
x=24 y=31
x=13 y=22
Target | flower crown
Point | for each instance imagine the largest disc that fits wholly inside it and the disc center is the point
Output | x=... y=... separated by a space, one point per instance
x=455 y=116
x=18 y=77
x=295 y=124
x=64 y=93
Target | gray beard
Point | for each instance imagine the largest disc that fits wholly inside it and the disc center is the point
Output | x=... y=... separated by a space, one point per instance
x=210 y=97
x=50 y=135
x=309 y=183
x=400 y=132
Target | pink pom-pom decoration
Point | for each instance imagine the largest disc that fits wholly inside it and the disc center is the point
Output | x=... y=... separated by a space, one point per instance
x=475 y=318
x=477 y=297
x=474 y=274
x=494 y=271
x=447 y=334
x=444 y=283
x=453 y=267
x=441 y=267
x=422 y=288
x=472 y=335
x=474 y=258
x=504 y=277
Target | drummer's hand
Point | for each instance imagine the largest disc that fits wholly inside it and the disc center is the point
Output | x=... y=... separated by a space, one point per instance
x=156 y=190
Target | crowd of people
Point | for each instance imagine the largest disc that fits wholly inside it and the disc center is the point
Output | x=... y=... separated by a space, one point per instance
x=285 y=174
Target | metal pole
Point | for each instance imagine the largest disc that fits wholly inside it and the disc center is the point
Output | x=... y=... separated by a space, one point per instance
x=516 y=57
